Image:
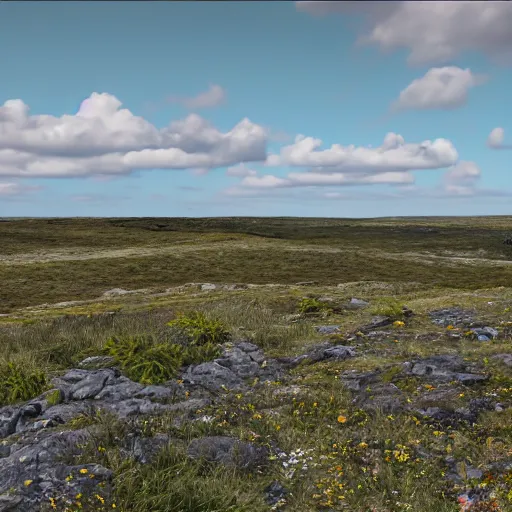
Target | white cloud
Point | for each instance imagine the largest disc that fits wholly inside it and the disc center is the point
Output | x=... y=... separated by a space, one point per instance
x=462 y=172
x=310 y=179
x=432 y=31
x=104 y=139
x=394 y=155
x=495 y=139
x=240 y=170
x=213 y=97
x=15 y=189
x=460 y=179
x=439 y=88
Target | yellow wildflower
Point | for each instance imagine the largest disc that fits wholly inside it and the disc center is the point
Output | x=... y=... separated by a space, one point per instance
x=84 y=471
x=342 y=419
x=26 y=483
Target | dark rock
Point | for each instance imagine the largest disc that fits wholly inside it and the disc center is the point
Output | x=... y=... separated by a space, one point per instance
x=377 y=321
x=229 y=451
x=146 y=449
x=339 y=352
x=274 y=493
x=444 y=368
x=9 y=417
x=452 y=316
x=469 y=379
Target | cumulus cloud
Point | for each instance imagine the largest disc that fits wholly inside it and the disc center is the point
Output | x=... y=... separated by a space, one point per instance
x=394 y=155
x=213 y=97
x=440 y=88
x=495 y=139
x=240 y=171
x=104 y=139
x=433 y=32
x=461 y=178
x=310 y=179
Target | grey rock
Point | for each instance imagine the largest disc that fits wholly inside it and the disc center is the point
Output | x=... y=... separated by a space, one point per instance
x=122 y=389
x=451 y=316
x=339 y=352
x=9 y=502
x=504 y=358
x=229 y=451
x=9 y=417
x=62 y=413
x=274 y=493
x=145 y=450
x=189 y=406
x=212 y=376
x=470 y=378
x=116 y=292
x=5 y=450
x=92 y=384
x=135 y=407
x=485 y=333
x=208 y=287
x=94 y=362
x=328 y=329
x=239 y=362
x=358 y=303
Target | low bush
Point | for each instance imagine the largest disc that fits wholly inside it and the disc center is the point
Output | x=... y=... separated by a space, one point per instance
x=20 y=384
x=200 y=330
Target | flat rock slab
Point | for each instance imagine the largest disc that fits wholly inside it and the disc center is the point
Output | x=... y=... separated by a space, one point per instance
x=229 y=452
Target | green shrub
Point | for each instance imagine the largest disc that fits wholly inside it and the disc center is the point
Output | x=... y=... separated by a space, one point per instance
x=143 y=360
x=201 y=330
x=19 y=384
x=195 y=354
x=311 y=305
x=389 y=307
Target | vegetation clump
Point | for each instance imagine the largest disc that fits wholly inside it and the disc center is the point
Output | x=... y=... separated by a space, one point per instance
x=313 y=305
x=200 y=330
x=20 y=384
x=149 y=361
x=392 y=308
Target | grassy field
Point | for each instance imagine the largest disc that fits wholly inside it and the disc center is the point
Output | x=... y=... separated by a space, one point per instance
x=55 y=260
x=359 y=462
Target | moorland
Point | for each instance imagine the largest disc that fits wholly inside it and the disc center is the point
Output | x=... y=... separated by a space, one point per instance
x=251 y=364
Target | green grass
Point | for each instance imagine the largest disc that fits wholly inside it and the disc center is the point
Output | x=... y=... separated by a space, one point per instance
x=282 y=251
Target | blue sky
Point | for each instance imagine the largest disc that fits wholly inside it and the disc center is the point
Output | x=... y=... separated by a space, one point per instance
x=217 y=92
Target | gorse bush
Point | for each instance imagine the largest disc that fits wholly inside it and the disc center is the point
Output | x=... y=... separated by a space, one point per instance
x=19 y=384
x=199 y=329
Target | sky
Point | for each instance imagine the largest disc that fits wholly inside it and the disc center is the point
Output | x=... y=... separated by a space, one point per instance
x=207 y=109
